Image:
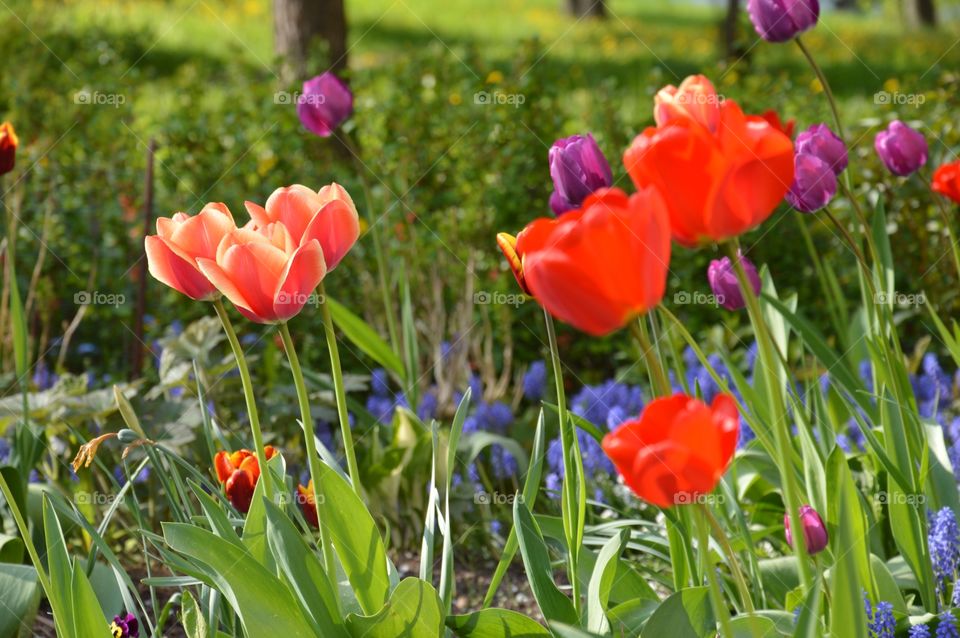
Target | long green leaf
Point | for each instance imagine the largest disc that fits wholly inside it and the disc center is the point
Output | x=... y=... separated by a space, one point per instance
x=553 y=604
x=366 y=338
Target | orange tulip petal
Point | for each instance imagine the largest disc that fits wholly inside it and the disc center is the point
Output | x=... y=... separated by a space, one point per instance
x=304 y=271
x=294 y=206
x=337 y=227
x=169 y=268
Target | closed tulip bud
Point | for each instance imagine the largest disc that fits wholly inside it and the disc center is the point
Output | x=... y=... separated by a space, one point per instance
x=308 y=504
x=782 y=20
x=239 y=472
x=814 y=184
x=819 y=140
x=724 y=283
x=578 y=168
x=326 y=102
x=946 y=181
x=814 y=531
x=902 y=149
x=8 y=147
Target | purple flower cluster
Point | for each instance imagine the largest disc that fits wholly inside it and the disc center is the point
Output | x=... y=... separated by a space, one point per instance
x=943 y=539
x=880 y=620
x=382 y=402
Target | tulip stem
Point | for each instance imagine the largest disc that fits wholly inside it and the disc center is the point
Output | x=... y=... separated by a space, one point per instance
x=720 y=609
x=738 y=577
x=651 y=356
x=770 y=361
x=313 y=459
x=337 y=373
x=823 y=83
x=248 y=397
x=573 y=503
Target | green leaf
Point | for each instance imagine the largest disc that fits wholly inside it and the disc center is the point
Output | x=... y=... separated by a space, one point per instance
x=356 y=539
x=447 y=580
x=495 y=623
x=847 y=617
x=808 y=623
x=554 y=605
x=127 y=412
x=413 y=611
x=365 y=338
x=299 y=565
x=628 y=618
x=11 y=550
x=685 y=614
x=20 y=592
x=598 y=589
x=191 y=616
x=753 y=626
x=264 y=605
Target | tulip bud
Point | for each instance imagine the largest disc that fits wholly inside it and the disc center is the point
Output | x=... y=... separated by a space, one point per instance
x=902 y=149
x=578 y=168
x=722 y=276
x=819 y=140
x=814 y=183
x=326 y=102
x=8 y=147
x=782 y=20
x=814 y=531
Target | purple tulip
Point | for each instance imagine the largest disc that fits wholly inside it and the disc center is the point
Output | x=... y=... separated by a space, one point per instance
x=814 y=183
x=578 y=168
x=819 y=140
x=814 y=531
x=902 y=149
x=723 y=282
x=782 y=20
x=324 y=104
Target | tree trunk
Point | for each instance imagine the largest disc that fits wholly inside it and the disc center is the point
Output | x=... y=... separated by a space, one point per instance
x=730 y=23
x=299 y=25
x=586 y=8
x=927 y=13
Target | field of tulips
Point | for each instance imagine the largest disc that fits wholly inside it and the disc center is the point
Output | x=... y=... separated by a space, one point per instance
x=331 y=423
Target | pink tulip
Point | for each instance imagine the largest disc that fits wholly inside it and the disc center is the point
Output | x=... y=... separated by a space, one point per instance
x=328 y=216
x=264 y=272
x=182 y=239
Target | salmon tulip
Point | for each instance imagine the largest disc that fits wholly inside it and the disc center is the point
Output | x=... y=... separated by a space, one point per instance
x=329 y=216
x=239 y=472
x=677 y=450
x=597 y=267
x=267 y=276
x=182 y=239
x=8 y=147
x=721 y=172
x=946 y=180
x=307 y=503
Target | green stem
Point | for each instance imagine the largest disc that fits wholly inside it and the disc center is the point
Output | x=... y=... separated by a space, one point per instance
x=769 y=362
x=738 y=577
x=658 y=377
x=573 y=513
x=248 y=396
x=313 y=459
x=337 y=373
x=826 y=86
x=720 y=609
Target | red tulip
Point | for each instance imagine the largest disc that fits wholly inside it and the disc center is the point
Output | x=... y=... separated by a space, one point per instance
x=239 y=472
x=307 y=503
x=946 y=181
x=677 y=450
x=597 y=267
x=8 y=147
x=267 y=276
x=329 y=216
x=180 y=240
x=720 y=171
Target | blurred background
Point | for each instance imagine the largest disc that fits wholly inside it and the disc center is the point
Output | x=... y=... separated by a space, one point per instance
x=457 y=103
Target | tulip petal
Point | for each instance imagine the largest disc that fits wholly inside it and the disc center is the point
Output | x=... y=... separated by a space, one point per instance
x=336 y=226
x=171 y=269
x=302 y=274
x=293 y=206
